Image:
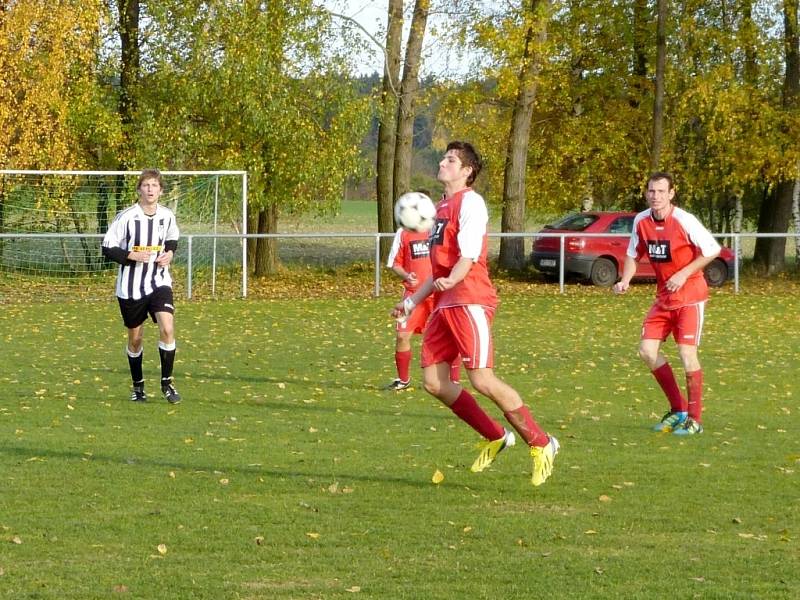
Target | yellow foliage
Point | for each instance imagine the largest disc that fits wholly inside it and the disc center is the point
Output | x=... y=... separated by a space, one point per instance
x=46 y=55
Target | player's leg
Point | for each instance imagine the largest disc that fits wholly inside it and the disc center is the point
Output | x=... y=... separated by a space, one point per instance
x=162 y=309
x=135 y=352
x=543 y=447
x=439 y=349
x=472 y=327
x=688 y=331
x=657 y=325
x=402 y=358
x=414 y=324
x=134 y=313
x=455 y=370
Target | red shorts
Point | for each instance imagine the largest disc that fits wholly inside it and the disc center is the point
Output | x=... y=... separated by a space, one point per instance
x=415 y=323
x=464 y=330
x=685 y=324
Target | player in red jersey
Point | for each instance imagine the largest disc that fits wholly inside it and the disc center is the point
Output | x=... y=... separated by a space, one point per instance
x=679 y=248
x=465 y=301
x=410 y=259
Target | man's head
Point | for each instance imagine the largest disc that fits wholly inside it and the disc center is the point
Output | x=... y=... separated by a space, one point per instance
x=150 y=174
x=660 y=193
x=149 y=187
x=468 y=157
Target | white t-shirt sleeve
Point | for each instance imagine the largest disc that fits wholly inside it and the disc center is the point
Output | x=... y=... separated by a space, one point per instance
x=172 y=229
x=115 y=235
x=472 y=224
x=395 y=248
x=698 y=234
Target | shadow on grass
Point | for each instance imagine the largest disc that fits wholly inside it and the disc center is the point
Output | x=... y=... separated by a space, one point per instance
x=26 y=454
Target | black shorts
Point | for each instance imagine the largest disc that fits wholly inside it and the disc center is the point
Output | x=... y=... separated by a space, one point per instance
x=134 y=312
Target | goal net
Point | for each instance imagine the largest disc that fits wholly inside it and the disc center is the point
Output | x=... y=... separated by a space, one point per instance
x=52 y=224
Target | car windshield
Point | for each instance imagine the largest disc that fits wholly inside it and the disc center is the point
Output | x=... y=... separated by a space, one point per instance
x=574 y=222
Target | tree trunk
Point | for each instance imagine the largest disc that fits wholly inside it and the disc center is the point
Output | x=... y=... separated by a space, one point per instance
x=512 y=250
x=387 y=125
x=640 y=35
x=266 y=252
x=129 y=72
x=658 y=101
x=770 y=253
x=408 y=94
x=796 y=219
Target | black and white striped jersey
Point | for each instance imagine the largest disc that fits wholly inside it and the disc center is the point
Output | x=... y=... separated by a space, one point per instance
x=132 y=230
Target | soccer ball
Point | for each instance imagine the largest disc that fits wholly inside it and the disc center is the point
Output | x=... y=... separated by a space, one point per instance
x=414 y=211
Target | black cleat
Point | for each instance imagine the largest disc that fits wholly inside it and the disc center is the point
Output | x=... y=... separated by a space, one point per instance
x=169 y=391
x=137 y=393
x=398 y=384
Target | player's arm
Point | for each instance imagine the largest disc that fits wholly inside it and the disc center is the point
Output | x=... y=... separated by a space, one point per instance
x=165 y=258
x=702 y=240
x=628 y=271
x=459 y=271
x=408 y=276
x=112 y=246
x=403 y=309
x=632 y=255
x=680 y=276
x=117 y=254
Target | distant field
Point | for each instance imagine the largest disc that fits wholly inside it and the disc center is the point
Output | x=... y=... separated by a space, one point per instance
x=288 y=473
x=315 y=265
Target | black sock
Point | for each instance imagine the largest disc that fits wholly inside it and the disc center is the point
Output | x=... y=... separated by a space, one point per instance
x=135 y=364
x=167 y=363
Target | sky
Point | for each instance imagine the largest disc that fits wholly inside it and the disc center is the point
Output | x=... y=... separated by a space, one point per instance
x=371 y=15
x=438 y=59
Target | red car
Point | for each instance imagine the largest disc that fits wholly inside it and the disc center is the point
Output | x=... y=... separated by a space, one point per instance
x=600 y=259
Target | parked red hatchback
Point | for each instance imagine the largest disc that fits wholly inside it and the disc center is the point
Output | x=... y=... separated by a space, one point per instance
x=600 y=259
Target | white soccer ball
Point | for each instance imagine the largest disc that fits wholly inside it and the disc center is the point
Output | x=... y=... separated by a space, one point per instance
x=414 y=211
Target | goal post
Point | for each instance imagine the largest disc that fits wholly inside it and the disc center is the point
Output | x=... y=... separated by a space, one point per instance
x=52 y=222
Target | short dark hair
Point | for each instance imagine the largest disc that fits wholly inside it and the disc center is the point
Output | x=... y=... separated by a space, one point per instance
x=661 y=175
x=150 y=174
x=469 y=158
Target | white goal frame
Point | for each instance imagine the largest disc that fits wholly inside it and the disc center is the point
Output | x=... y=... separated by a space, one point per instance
x=133 y=173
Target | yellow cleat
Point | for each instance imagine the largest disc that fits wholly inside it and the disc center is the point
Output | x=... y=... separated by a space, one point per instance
x=490 y=450
x=543 y=458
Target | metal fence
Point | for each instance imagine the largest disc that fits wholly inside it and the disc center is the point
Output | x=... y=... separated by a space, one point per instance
x=206 y=254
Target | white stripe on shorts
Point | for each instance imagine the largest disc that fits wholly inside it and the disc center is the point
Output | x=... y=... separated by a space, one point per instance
x=482 y=334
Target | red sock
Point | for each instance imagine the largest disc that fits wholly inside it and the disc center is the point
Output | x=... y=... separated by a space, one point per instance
x=666 y=379
x=694 y=387
x=455 y=369
x=403 y=362
x=527 y=427
x=466 y=408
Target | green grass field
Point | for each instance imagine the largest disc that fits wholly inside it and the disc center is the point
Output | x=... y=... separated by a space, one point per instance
x=288 y=473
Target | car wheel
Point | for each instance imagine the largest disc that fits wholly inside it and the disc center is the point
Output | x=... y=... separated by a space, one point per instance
x=716 y=273
x=604 y=272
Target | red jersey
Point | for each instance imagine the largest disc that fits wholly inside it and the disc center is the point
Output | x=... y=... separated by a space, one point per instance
x=672 y=244
x=411 y=252
x=460 y=232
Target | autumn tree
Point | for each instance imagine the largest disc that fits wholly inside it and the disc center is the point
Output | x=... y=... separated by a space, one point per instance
x=409 y=90
x=255 y=86
x=512 y=250
x=776 y=210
